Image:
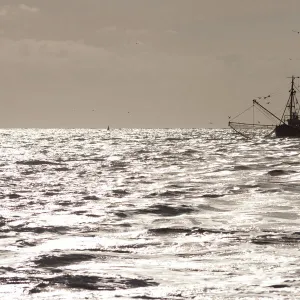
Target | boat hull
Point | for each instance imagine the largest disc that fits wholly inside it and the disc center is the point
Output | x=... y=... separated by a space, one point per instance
x=285 y=130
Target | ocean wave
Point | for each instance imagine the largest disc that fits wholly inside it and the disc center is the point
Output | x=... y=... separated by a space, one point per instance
x=134 y=213
x=36 y=162
x=166 y=210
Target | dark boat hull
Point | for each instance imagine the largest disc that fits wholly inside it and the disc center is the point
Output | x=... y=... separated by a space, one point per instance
x=285 y=130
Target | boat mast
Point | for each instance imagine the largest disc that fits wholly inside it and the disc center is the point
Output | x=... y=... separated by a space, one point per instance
x=292 y=92
x=291 y=103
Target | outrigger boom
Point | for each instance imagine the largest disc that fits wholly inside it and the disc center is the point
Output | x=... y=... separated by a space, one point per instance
x=266 y=110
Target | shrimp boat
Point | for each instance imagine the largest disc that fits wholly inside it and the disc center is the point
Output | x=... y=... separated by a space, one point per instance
x=286 y=126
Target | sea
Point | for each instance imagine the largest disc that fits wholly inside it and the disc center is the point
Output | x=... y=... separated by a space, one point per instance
x=160 y=214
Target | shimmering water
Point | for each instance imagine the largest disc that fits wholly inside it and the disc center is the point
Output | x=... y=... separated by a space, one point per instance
x=148 y=214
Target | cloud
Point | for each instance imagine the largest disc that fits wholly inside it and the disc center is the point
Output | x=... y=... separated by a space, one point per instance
x=121 y=30
x=50 y=52
x=136 y=32
x=27 y=8
x=230 y=59
x=108 y=29
x=3 y=11
x=9 y=11
x=171 y=31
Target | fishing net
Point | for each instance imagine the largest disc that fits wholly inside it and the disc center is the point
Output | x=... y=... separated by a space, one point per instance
x=260 y=122
x=251 y=130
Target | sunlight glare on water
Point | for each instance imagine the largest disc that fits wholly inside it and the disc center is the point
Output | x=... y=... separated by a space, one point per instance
x=148 y=214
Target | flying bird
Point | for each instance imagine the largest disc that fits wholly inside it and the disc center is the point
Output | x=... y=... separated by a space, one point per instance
x=296 y=31
x=267 y=96
x=268 y=102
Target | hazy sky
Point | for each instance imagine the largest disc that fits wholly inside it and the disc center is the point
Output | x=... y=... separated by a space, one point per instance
x=143 y=63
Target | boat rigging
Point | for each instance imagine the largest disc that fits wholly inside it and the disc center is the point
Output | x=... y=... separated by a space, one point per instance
x=286 y=126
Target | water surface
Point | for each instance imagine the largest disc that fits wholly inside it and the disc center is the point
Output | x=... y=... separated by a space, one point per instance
x=148 y=214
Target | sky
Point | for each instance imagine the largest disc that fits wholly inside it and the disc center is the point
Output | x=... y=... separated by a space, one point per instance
x=143 y=63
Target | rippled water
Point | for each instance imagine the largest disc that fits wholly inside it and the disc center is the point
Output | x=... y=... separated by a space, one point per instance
x=148 y=214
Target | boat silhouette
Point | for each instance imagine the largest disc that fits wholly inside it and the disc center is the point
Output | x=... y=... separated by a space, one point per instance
x=286 y=126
